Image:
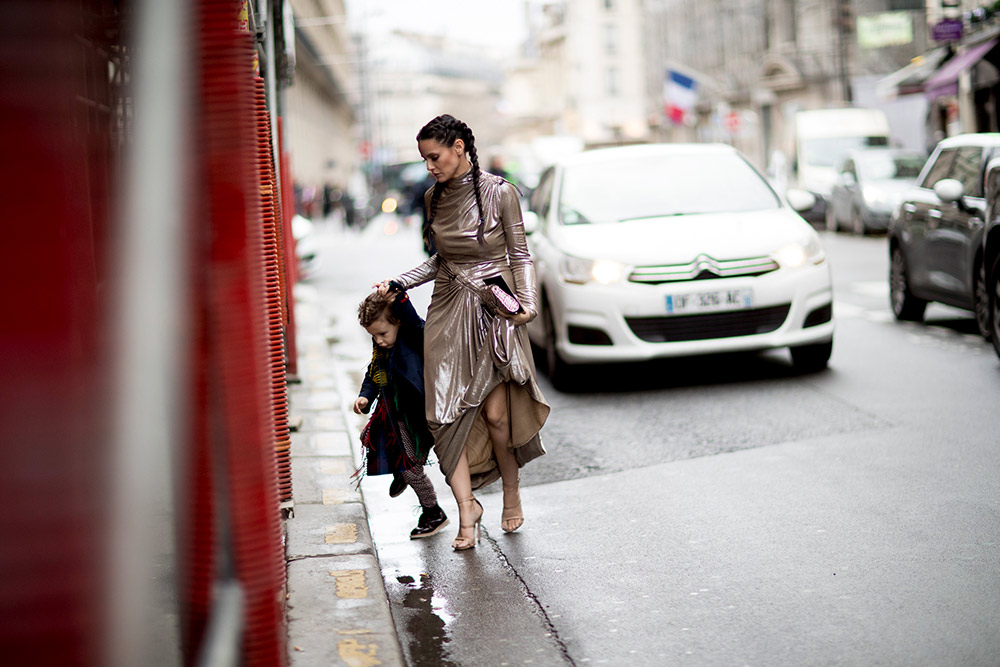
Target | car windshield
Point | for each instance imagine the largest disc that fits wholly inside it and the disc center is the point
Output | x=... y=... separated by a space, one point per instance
x=656 y=186
x=828 y=151
x=877 y=166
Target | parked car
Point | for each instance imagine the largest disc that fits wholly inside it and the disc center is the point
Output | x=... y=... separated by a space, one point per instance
x=870 y=185
x=936 y=235
x=669 y=250
x=991 y=250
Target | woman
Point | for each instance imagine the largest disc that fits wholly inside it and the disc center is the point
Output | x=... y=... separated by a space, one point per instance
x=484 y=406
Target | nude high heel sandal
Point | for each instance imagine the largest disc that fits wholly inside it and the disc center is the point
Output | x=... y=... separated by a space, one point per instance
x=512 y=517
x=462 y=542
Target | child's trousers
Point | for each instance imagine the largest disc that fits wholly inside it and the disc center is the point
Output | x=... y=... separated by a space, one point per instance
x=415 y=475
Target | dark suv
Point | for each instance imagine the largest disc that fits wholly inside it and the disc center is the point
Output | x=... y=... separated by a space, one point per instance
x=936 y=234
x=991 y=250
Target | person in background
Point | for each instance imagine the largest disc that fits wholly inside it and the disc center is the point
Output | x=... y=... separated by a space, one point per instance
x=396 y=437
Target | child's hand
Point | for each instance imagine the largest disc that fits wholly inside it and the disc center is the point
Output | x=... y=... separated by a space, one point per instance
x=361 y=405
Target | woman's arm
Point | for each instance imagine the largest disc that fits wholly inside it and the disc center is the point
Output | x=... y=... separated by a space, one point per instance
x=418 y=275
x=517 y=250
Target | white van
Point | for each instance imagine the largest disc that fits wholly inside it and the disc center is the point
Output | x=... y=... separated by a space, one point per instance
x=822 y=139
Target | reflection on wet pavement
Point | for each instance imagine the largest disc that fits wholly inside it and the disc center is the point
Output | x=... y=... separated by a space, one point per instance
x=427 y=627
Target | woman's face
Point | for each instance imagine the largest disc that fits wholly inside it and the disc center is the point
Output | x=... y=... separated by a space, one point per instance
x=443 y=162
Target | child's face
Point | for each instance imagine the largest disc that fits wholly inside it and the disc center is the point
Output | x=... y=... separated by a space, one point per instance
x=383 y=332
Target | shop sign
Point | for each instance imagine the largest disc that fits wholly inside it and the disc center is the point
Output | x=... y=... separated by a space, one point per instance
x=885 y=29
x=947 y=30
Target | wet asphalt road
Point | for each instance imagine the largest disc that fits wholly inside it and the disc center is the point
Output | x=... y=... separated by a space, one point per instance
x=722 y=510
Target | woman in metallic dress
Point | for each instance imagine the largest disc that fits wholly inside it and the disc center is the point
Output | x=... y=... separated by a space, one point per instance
x=484 y=406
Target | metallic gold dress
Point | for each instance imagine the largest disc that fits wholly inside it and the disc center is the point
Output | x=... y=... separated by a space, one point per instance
x=467 y=351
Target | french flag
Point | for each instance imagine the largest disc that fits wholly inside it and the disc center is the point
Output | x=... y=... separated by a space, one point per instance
x=679 y=96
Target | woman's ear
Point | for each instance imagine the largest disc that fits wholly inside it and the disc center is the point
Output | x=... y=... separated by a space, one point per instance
x=459 y=147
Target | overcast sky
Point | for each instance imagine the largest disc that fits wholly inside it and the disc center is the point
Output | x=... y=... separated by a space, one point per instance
x=496 y=24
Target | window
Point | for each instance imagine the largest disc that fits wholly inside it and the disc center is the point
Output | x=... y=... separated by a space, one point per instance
x=661 y=186
x=540 y=197
x=940 y=168
x=614 y=85
x=967 y=168
x=611 y=39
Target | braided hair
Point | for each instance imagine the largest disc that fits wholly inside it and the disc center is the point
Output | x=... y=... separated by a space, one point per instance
x=445 y=130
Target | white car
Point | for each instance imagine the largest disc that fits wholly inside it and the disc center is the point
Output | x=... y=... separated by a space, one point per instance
x=673 y=250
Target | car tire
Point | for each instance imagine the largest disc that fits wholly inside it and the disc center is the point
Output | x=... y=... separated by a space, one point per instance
x=557 y=369
x=980 y=295
x=857 y=222
x=812 y=358
x=831 y=219
x=993 y=290
x=905 y=306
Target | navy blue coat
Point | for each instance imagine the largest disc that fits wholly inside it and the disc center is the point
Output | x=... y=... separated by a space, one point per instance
x=401 y=400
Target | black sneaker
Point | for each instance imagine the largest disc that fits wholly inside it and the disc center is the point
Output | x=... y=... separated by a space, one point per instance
x=431 y=520
x=398 y=485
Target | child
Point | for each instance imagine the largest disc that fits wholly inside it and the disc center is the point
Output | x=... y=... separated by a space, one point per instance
x=397 y=437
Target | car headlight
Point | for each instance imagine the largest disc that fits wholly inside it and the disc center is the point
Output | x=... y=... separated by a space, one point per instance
x=795 y=255
x=875 y=196
x=581 y=271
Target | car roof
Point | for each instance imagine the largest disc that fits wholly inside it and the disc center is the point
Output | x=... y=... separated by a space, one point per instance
x=596 y=155
x=977 y=139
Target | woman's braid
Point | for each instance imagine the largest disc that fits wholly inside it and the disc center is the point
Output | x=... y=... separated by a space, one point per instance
x=445 y=129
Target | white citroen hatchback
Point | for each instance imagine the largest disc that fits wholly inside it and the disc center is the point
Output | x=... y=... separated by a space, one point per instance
x=673 y=250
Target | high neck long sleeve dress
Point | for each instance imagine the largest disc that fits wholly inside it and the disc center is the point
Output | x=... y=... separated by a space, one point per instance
x=467 y=351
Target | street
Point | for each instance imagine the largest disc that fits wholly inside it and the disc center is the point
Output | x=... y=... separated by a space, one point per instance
x=722 y=510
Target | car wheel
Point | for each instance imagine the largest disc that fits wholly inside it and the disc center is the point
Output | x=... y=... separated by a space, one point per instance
x=857 y=222
x=812 y=358
x=831 y=219
x=981 y=296
x=555 y=367
x=905 y=306
x=994 y=298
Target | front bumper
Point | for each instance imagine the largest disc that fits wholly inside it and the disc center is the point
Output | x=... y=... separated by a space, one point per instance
x=628 y=321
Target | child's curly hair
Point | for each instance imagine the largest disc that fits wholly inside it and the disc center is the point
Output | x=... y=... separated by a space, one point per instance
x=375 y=306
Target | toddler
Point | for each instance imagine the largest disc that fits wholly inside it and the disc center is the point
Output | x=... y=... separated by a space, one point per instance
x=396 y=437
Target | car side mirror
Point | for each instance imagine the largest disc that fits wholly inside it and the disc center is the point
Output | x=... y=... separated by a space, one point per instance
x=530 y=219
x=800 y=200
x=949 y=190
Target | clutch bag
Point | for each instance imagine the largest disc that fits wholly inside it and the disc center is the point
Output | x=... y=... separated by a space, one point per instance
x=499 y=297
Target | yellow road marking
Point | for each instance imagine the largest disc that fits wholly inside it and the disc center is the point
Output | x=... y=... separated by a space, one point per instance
x=350 y=584
x=342 y=533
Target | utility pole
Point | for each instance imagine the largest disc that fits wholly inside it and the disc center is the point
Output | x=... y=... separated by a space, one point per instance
x=843 y=20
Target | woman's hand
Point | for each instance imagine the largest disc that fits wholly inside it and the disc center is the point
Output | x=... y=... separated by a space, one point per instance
x=360 y=405
x=382 y=287
x=518 y=319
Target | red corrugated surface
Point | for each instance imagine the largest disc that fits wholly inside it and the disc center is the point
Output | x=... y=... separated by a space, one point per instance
x=54 y=395
x=272 y=276
x=286 y=246
x=234 y=424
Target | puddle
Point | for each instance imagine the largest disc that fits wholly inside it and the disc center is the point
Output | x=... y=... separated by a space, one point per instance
x=427 y=621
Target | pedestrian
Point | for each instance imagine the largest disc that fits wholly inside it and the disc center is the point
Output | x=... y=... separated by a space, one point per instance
x=396 y=437
x=484 y=406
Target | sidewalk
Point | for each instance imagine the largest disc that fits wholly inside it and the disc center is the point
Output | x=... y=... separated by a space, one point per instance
x=338 y=613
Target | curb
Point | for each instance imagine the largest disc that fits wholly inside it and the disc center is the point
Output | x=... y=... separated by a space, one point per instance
x=337 y=609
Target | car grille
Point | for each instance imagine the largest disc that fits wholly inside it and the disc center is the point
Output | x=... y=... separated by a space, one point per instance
x=702 y=268
x=708 y=326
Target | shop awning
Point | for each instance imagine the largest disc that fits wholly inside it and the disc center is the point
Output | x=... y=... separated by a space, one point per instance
x=911 y=79
x=945 y=80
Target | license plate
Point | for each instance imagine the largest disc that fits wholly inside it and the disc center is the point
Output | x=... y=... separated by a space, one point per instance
x=701 y=302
